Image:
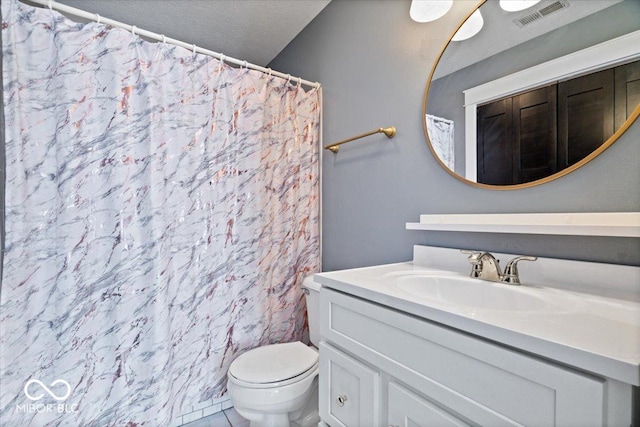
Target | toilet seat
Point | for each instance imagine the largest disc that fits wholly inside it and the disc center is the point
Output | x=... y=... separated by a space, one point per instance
x=299 y=378
x=274 y=365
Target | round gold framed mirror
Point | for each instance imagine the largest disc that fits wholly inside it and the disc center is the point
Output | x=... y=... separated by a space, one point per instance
x=536 y=93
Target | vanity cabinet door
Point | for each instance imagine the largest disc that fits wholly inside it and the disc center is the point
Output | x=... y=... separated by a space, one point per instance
x=406 y=409
x=348 y=390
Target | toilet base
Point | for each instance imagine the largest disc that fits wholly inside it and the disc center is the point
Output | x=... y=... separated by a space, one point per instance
x=307 y=416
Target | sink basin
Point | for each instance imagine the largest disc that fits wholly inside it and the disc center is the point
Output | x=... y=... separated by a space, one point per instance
x=473 y=293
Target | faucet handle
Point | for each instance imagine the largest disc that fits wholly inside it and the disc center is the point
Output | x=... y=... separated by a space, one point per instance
x=511 y=269
x=474 y=259
x=475 y=255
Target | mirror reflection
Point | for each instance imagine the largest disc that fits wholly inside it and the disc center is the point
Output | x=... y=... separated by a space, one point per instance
x=536 y=92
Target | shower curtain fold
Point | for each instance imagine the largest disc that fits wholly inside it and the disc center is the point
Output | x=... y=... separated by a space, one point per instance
x=162 y=209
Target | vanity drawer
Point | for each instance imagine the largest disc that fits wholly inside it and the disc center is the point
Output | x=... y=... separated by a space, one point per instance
x=407 y=409
x=477 y=380
x=348 y=390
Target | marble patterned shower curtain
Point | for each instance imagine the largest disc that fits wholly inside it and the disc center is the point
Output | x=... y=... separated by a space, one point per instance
x=161 y=213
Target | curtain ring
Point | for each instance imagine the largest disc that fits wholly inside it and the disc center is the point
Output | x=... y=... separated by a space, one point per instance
x=98 y=18
x=299 y=81
x=269 y=73
x=133 y=30
x=245 y=64
x=164 y=39
x=222 y=57
x=50 y=4
x=288 y=78
x=194 y=49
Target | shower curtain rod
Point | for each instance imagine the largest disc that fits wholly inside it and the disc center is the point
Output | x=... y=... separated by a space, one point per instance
x=161 y=37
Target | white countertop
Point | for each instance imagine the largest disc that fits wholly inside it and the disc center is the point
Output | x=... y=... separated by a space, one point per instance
x=598 y=334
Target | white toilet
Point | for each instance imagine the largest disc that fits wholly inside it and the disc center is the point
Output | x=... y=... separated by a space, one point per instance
x=277 y=385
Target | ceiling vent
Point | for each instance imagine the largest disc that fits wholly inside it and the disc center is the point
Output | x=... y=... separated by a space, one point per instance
x=542 y=10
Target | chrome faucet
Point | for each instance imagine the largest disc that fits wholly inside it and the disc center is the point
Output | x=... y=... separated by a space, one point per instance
x=485 y=266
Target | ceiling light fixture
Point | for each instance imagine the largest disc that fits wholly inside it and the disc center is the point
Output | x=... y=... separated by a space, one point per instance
x=517 y=5
x=429 y=10
x=470 y=28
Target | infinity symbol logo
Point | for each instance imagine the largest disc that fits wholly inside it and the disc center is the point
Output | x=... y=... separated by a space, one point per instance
x=52 y=394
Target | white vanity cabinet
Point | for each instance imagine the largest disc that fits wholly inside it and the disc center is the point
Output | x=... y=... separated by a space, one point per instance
x=383 y=367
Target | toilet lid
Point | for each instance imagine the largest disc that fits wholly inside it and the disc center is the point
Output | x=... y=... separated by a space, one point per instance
x=273 y=363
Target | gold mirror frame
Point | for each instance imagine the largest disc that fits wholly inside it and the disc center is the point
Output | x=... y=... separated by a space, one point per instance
x=634 y=115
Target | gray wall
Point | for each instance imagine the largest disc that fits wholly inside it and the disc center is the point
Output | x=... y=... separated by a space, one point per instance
x=373 y=63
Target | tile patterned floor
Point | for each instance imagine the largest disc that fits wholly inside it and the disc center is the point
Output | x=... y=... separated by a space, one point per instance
x=227 y=418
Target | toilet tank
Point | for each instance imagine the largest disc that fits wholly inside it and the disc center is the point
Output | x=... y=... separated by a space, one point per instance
x=312 y=293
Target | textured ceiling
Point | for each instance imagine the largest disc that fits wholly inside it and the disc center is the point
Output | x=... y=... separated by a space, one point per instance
x=251 y=30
